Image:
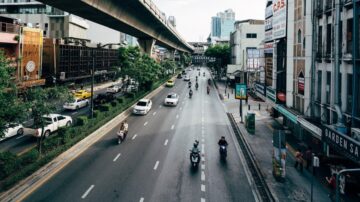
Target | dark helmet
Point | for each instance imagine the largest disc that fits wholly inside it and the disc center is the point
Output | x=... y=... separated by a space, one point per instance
x=195 y=145
x=223 y=137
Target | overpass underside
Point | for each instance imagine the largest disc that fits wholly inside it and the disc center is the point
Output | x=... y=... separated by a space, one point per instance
x=128 y=16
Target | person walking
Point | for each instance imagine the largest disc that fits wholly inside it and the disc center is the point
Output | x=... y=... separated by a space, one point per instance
x=308 y=157
x=299 y=160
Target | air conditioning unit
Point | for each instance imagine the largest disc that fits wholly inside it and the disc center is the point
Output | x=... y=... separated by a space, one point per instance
x=62 y=75
x=26 y=78
x=355 y=133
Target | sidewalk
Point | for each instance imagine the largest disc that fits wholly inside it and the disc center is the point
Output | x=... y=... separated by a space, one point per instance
x=297 y=185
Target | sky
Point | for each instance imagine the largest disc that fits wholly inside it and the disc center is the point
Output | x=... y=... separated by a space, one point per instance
x=193 y=17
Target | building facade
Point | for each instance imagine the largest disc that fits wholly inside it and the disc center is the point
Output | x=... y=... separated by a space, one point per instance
x=223 y=24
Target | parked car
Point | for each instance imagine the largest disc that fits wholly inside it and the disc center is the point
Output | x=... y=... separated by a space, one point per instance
x=131 y=88
x=179 y=76
x=76 y=104
x=11 y=130
x=52 y=123
x=82 y=94
x=186 y=78
x=170 y=83
x=114 y=89
x=171 y=99
x=142 y=107
x=183 y=72
x=103 y=98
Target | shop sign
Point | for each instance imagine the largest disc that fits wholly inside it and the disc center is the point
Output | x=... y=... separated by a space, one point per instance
x=268 y=35
x=270 y=93
x=268 y=11
x=268 y=24
x=311 y=128
x=301 y=83
x=260 y=88
x=268 y=47
x=279 y=19
x=240 y=91
x=342 y=143
x=292 y=117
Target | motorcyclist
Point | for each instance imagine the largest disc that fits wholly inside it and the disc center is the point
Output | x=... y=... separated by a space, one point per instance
x=196 y=78
x=190 y=93
x=208 y=89
x=199 y=73
x=195 y=148
x=189 y=84
x=123 y=130
x=196 y=85
x=204 y=74
x=222 y=142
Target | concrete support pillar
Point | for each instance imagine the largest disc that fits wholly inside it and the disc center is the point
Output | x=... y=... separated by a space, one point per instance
x=172 y=54
x=147 y=45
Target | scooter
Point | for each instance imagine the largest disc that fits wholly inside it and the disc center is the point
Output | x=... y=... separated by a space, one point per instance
x=223 y=152
x=208 y=90
x=194 y=159
x=121 y=136
x=197 y=86
x=190 y=95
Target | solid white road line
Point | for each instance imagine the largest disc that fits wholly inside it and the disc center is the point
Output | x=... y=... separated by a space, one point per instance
x=154 y=113
x=202 y=187
x=87 y=191
x=134 y=137
x=156 y=165
x=202 y=176
x=141 y=199
x=202 y=200
x=166 y=142
x=74 y=113
x=172 y=127
x=117 y=156
x=145 y=123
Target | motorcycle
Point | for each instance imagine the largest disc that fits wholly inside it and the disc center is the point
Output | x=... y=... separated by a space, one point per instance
x=190 y=95
x=194 y=159
x=204 y=74
x=208 y=90
x=121 y=136
x=223 y=152
x=197 y=86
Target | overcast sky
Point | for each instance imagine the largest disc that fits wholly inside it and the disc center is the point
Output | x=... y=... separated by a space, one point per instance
x=193 y=17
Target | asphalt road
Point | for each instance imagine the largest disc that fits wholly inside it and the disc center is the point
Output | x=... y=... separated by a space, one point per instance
x=19 y=144
x=153 y=163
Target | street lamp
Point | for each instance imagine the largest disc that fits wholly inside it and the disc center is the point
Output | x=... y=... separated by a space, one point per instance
x=93 y=74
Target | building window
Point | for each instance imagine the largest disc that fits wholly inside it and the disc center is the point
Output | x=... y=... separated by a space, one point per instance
x=349 y=33
x=319 y=80
x=320 y=41
x=328 y=86
x=349 y=95
x=328 y=40
x=304 y=43
x=304 y=8
x=299 y=36
x=251 y=35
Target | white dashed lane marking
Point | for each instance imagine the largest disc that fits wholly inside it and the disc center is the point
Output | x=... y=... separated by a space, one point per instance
x=134 y=137
x=87 y=191
x=154 y=113
x=202 y=166
x=117 y=156
x=202 y=200
x=177 y=116
x=145 y=123
x=202 y=176
x=141 y=199
x=166 y=142
x=172 y=127
x=156 y=165
x=203 y=188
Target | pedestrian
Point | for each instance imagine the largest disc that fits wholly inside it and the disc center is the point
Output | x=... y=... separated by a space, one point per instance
x=299 y=160
x=308 y=157
x=332 y=184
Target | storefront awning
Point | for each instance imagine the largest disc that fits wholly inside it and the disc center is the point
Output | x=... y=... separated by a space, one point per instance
x=292 y=117
x=316 y=131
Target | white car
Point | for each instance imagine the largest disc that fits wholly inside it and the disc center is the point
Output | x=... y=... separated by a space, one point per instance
x=76 y=104
x=142 y=107
x=52 y=123
x=113 y=89
x=11 y=130
x=171 y=99
x=186 y=78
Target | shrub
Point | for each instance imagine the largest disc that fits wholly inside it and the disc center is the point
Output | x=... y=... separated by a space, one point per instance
x=113 y=103
x=105 y=108
x=29 y=157
x=96 y=113
x=9 y=163
x=82 y=120
x=130 y=95
x=120 y=100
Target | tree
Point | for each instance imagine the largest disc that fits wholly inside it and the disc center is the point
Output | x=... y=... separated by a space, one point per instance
x=222 y=54
x=42 y=101
x=11 y=107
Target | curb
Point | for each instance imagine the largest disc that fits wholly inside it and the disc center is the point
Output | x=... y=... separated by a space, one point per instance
x=31 y=183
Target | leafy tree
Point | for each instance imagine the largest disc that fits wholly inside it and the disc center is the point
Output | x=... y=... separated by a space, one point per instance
x=42 y=101
x=11 y=108
x=222 y=54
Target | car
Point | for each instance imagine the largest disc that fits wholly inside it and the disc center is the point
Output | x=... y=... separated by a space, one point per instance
x=131 y=88
x=76 y=104
x=171 y=99
x=11 y=130
x=183 y=72
x=82 y=94
x=170 y=83
x=103 y=98
x=113 y=89
x=179 y=76
x=52 y=123
x=142 y=107
x=186 y=78
x=198 y=68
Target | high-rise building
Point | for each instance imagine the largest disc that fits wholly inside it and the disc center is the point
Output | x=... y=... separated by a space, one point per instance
x=223 y=24
x=172 y=20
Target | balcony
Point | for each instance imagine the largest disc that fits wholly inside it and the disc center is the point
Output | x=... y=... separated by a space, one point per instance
x=319 y=56
x=319 y=8
x=348 y=3
x=348 y=57
x=328 y=6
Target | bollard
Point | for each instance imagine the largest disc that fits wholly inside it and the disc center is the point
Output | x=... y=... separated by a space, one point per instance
x=259 y=106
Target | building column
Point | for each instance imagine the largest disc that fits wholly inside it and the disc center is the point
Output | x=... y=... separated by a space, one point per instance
x=147 y=45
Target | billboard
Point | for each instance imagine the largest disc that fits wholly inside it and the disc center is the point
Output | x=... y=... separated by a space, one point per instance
x=240 y=91
x=279 y=19
x=268 y=23
x=268 y=35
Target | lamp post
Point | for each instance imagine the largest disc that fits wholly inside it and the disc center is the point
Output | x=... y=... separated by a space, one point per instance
x=93 y=75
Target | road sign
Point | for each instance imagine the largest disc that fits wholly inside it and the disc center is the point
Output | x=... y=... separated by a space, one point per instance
x=240 y=91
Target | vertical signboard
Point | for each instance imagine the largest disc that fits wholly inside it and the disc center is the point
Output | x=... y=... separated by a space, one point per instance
x=279 y=19
x=240 y=91
x=301 y=83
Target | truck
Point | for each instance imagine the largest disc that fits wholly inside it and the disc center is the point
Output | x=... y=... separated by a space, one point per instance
x=52 y=123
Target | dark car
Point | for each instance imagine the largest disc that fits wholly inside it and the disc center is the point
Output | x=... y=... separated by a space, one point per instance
x=179 y=76
x=104 y=98
x=183 y=72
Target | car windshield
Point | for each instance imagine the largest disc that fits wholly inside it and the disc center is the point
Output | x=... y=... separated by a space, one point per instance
x=141 y=103
x=47 y=120
x=111 y=86
x=171 y=96
x=170 y=81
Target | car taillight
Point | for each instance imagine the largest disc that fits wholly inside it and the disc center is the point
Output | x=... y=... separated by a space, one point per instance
x=37 y=133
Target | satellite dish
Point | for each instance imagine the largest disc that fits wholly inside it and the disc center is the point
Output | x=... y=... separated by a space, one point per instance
x=30 y=66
